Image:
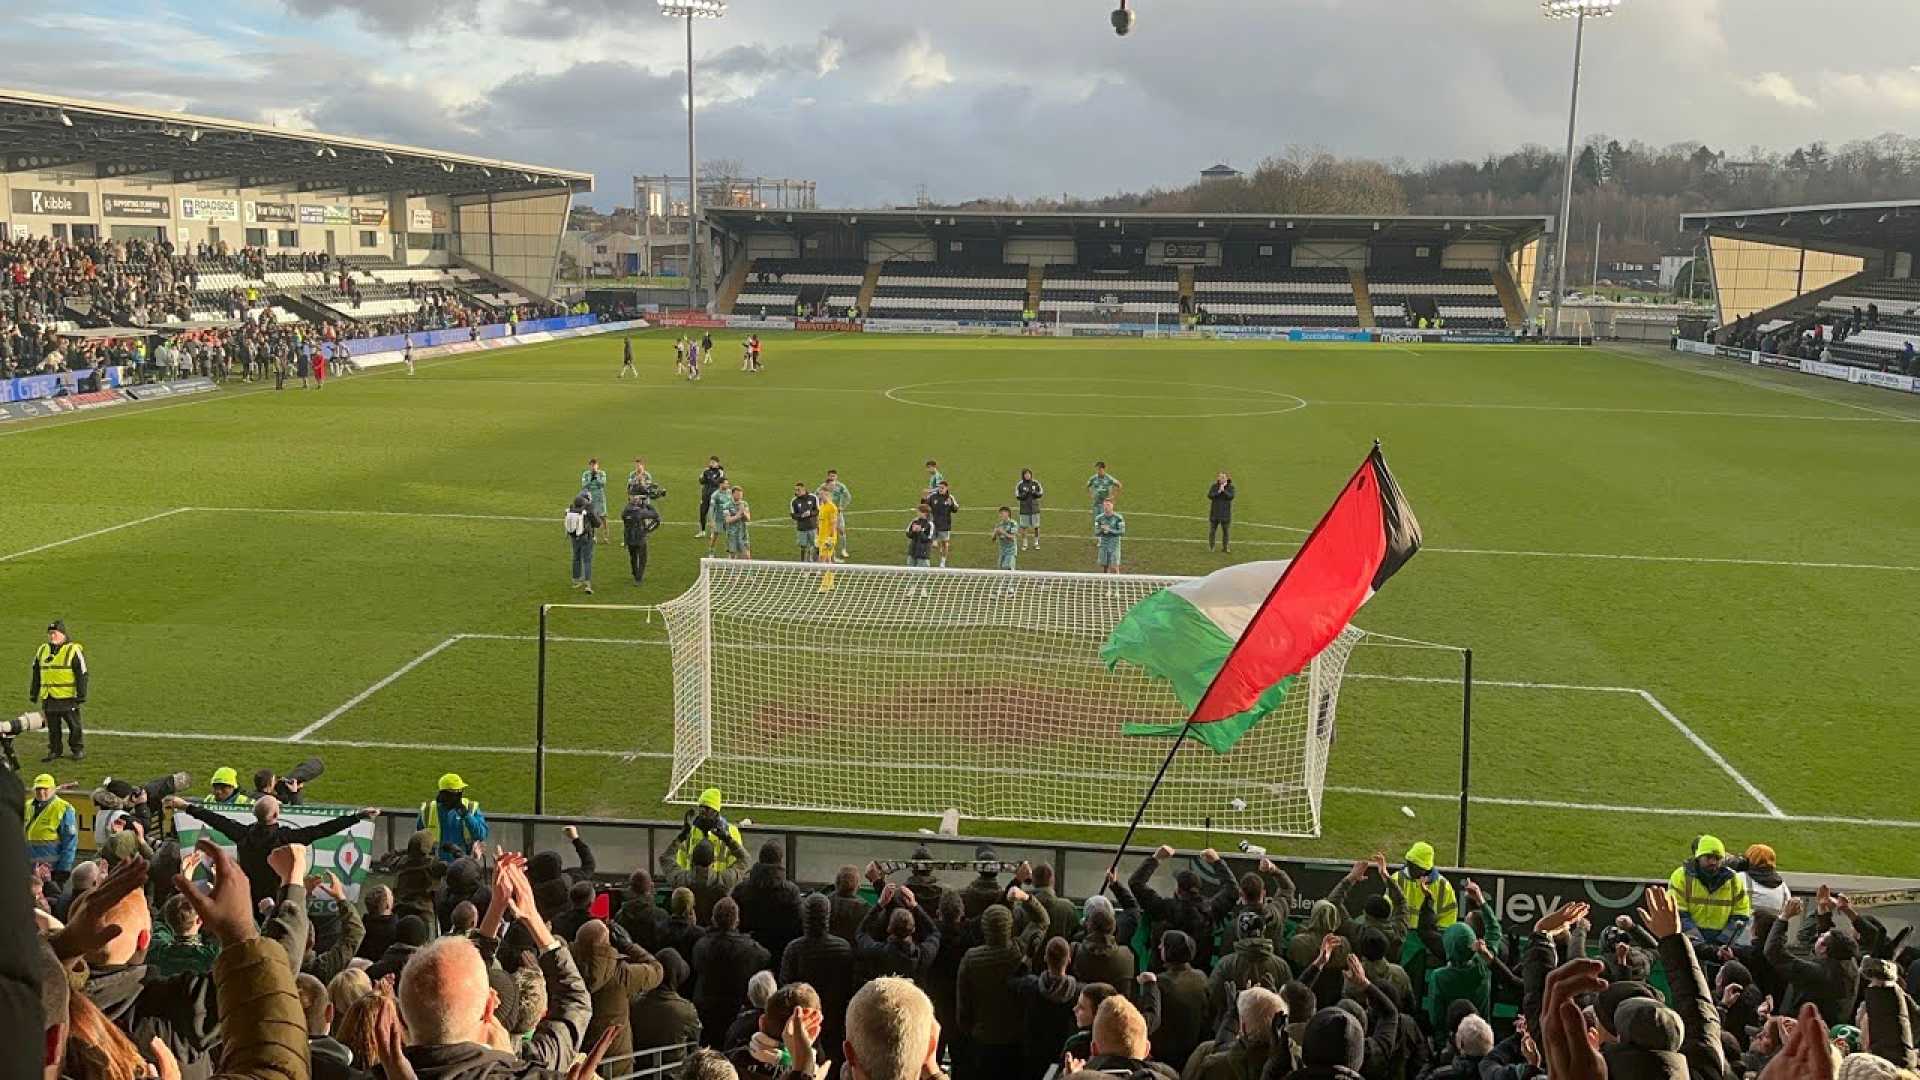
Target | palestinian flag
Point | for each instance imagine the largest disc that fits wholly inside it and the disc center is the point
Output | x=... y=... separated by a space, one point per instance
x=1231 y=644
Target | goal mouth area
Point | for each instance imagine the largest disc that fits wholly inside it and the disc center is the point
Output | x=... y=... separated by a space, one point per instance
x=909 y=691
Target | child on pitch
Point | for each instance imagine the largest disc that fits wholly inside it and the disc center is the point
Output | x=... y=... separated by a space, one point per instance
x=739 y=514
x=1108 y=528
x=1006 y=532
x=943 y=504
x=1028 y=494
x=805 y=512
x=920 y=536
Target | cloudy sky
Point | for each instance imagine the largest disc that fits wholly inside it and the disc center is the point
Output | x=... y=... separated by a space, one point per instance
x=874 y=98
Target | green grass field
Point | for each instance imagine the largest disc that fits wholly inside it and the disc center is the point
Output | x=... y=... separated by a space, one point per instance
x=1689 y=586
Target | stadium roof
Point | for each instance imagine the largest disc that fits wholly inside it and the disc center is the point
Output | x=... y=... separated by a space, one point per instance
x=38 y=131
x=1852 y=228
x=1093 y=225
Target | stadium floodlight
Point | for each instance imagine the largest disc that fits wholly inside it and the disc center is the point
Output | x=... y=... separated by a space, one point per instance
x=1579 y=11
x=691 y=10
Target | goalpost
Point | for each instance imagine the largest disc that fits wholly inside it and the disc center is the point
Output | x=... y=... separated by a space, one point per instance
x=902 y=691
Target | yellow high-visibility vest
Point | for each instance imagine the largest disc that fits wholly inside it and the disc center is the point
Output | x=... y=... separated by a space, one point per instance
x=45 y=827
x=1446 y=905
x=57 y=681
x=1711 y=909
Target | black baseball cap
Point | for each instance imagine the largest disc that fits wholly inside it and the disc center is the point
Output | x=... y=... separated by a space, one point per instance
x=57 y=624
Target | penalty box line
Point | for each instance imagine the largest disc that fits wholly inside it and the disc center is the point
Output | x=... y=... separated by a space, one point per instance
x=306 y=734
x=1383 y=793
x=1766 y=804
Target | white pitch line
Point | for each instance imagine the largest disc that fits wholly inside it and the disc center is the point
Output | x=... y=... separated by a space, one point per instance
x=526 y=518
x=1706 y=748
x=94 y=533
x=1883 y=419
x=1383 y=793
x=1778 y=388
x=303 y=733
x=1498 y=683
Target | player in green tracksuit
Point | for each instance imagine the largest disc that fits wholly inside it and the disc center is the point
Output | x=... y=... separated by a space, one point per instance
x=1101 y=485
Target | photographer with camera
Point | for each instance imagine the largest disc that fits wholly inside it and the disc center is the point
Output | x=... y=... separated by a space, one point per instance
x=59 y=687
x=638 y=519
x=705 y=823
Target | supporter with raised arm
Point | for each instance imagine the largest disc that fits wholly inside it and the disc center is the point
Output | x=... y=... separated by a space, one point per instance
x=897 y=938
x=1828 y=980
x=256 y=840
x=1189 y=910
x=987 y=1014
x=448 y=1002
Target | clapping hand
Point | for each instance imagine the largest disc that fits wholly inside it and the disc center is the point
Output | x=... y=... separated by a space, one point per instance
x=1808 y=1053
x=226 y=911
x=1660 y=913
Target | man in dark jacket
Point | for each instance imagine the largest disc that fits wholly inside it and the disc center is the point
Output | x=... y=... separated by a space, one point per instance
x=723 y=960
x=769 y=903
x=824 y=961
x=379 y=922
x=1220 y=511
x=1047 y=1001
x=1251 y=963
x=849 y=909
x=708 y=885
x=254 y=842
x=614 y=978
x=661 y=1017
x=552 y=883
x=921 y=878
x=637 y=520
x=1828 y=980
x=1063 y=919
x=1189 y=910
x=712 y=479
x=1100 y=957
x=445 y=998
x=988 y=1016
x=1186 y=1014
x=640 y=917
x=897 y=938
x=1692 y=999
x=985 y=889
x=409 y=934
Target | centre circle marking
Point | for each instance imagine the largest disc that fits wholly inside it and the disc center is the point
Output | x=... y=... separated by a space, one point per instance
x=1284 y=402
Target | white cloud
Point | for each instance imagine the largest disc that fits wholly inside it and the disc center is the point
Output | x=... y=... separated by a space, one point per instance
x=1777 y=87
x=1897 y=88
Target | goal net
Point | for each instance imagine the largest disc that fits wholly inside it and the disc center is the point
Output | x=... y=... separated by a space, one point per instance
x=891 y=690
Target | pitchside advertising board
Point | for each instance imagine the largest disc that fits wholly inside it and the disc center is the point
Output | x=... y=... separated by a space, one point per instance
x=345 y=853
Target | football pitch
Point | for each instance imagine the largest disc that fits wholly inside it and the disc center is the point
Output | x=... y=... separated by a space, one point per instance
x=1689 y=586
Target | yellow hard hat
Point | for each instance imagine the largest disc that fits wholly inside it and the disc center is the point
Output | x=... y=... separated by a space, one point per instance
x=710 y=798
x=1421 y=855
x=44 y=780
x=225 y=775
x=452 y=782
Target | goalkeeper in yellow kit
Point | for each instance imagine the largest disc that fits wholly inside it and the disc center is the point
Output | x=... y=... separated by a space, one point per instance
x=828 y=539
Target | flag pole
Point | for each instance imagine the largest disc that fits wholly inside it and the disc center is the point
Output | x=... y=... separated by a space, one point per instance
x=1186 y=728
x=1114 y=867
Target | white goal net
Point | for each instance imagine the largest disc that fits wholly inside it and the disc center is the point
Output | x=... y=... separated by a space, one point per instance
x=891 y=690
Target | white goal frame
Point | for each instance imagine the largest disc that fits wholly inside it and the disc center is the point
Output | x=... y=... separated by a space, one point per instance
x=782 y=688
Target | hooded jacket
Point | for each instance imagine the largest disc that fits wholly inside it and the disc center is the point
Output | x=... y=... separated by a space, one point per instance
x=551 y=881
x=644 y=922
x=1099 y=958
x=1693 y=1001
x=661 y=1017
x=708 y=886
x=723 y=961
x=769 y=907
x=1191 y=913
x=1464 y=977
x=824 y=961
x=984 y=1010
x=1325 y=918
x=1252 y=963
x=1649 y=1048
x=613 y=981
x=1186 y=1014
x=417 y=879
x=879 y=956
x=1046 y=1000
x=847 y=913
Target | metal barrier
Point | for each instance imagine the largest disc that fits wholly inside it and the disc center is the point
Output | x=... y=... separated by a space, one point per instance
x=679 y=1052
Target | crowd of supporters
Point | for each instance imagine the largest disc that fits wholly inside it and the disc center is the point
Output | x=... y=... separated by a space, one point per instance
x=483 y=964
x=50 y=287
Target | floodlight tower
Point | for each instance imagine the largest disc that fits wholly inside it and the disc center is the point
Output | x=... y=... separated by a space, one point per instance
x=691 y=10
x=1579 y=11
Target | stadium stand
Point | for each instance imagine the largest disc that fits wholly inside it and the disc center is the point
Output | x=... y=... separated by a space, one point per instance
x=233 y=311
x=1152 y=291
x=1296 y=297
x=698 y=972
x=1464 y=299
x=910 y=290
x=782 y=286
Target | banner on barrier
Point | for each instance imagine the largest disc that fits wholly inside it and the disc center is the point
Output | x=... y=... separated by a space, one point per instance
x=1826 y=370
x=1479 y=337
x=26 y=410
x=97 y=399
x=748 y=322
x=829 y=326
x=198 y=384
x=1696 y=348
x=1887 y=379
x=345 y=853
x=1770 y=360
x=1728 y=352
x=706 y=322
x=1312 y=334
